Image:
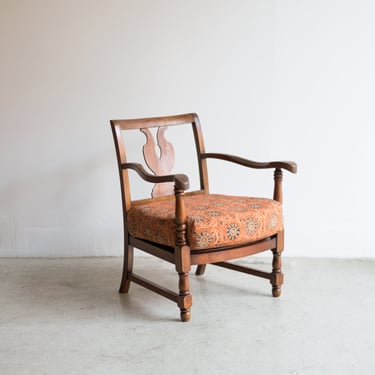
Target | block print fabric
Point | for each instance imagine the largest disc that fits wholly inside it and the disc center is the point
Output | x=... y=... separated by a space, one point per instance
x=213 y=220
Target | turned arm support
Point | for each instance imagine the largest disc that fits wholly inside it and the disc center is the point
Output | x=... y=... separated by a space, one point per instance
x=277 y=165
x=181 y=181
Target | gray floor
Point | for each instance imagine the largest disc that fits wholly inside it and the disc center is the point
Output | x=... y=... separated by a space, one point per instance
x=64 y=316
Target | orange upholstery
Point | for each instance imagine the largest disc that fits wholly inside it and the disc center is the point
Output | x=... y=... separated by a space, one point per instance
x=212 y=220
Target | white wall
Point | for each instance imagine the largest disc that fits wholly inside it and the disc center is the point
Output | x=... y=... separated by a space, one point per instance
x=288 y=79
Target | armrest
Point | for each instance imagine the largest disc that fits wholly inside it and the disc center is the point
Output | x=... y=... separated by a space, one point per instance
x=288 y=165
x=181 y=181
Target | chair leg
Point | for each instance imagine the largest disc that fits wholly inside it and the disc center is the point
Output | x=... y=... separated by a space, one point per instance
x=184 y=300
x=127 y=268
x=200 y=269
x=277 y=277
x=183 y=266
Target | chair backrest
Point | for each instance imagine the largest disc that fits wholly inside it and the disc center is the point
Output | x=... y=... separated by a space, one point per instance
x=159 y=164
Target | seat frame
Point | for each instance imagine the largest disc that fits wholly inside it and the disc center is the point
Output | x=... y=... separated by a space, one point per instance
x=181 y=255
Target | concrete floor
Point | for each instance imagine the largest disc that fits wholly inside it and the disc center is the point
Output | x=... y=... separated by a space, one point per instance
x=64 y=316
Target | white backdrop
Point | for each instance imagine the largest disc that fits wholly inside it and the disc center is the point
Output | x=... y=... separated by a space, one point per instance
x=286 y=79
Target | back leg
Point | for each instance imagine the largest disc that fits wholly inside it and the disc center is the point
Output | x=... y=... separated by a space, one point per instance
x=200 y=269
x=127 y=268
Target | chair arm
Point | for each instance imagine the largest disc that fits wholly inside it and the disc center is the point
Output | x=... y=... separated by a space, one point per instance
x=181 y=181
x=288 y=165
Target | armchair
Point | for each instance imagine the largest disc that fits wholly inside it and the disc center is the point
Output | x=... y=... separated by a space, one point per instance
x=189 y=228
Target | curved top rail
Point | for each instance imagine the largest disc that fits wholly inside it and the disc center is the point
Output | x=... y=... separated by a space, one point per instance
x=152 y=122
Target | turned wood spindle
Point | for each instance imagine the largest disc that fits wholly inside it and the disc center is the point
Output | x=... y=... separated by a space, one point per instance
x=277 y=276
x=278 y=190
x=185 y=300
x=180 y=218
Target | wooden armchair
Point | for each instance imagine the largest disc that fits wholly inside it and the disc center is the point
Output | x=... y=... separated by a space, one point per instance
x=194 y=228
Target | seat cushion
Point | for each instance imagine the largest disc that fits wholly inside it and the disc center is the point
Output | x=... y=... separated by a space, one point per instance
x=212 y=220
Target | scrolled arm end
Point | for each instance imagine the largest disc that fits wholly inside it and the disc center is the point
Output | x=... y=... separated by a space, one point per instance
x=290 y=166
x=181 y=181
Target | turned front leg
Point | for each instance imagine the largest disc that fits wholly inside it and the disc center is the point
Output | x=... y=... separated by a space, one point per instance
x=182 y=253
x=277 y=277
x=185 y=300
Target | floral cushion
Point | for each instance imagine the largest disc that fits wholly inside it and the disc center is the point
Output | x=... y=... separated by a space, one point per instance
x=212 y=220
